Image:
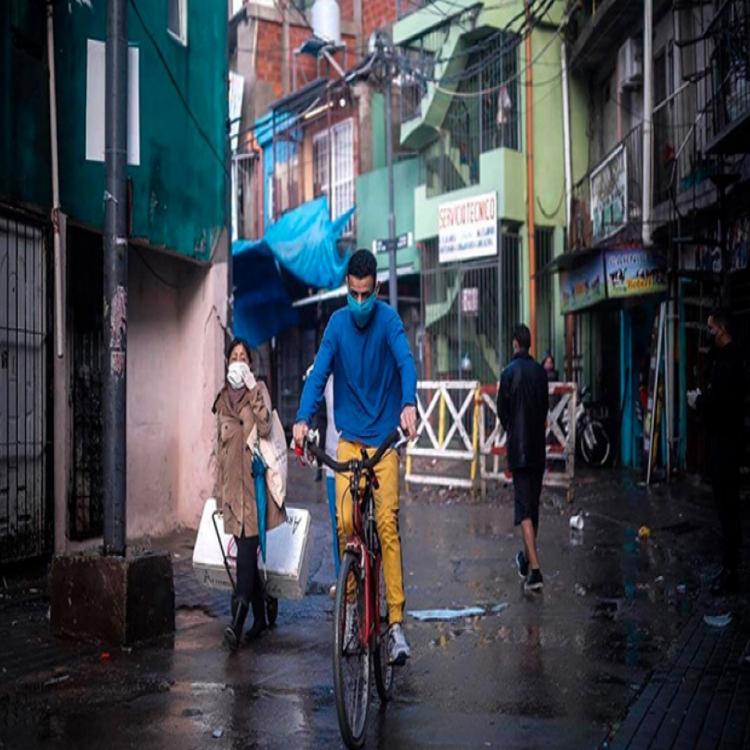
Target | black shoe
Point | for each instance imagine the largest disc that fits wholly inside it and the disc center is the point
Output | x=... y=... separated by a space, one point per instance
x=522 y=564
x=259 y=618
x=534 y=581
x=233 y=632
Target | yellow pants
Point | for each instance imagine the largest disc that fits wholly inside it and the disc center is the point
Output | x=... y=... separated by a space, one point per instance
x=386 y=519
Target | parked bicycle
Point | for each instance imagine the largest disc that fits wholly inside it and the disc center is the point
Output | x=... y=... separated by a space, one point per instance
x=591 y=437
x=361 y=590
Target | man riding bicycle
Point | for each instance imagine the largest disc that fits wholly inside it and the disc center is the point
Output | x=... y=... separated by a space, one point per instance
x=375 y=385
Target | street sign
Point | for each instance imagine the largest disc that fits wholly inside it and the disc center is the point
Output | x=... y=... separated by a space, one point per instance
x=402 y=242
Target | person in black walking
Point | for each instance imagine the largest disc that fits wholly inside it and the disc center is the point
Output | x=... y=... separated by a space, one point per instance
x=523 y=402
x=722 y=409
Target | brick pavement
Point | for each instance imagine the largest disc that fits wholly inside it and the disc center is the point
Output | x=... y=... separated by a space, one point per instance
x=701 y=699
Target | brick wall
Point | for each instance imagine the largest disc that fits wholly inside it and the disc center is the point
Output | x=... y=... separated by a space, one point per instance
x=269 y=57
x=377 y=14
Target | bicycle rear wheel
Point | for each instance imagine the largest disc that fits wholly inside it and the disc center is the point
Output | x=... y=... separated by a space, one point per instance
x=595 y=444
x=351 y=660
x=383 y=670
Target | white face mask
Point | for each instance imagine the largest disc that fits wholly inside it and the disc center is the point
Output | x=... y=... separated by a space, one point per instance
x=237 y=374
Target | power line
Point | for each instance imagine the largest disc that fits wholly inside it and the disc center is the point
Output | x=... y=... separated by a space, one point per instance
x=178 y=90
x=511 y=40
x=515 y=76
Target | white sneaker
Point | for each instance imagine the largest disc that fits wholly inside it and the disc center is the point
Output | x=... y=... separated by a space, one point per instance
x=398 y=648
x=351 y=630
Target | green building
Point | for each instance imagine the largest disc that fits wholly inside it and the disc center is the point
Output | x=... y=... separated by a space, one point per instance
x=462 y=182
x=52 y=328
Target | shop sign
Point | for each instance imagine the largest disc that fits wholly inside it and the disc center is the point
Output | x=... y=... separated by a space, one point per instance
x=583 y=286
x=467 y=228
x=633 y=271
x=608 y=184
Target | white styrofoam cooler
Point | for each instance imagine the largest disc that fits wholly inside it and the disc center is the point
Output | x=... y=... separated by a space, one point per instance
x=287 y=565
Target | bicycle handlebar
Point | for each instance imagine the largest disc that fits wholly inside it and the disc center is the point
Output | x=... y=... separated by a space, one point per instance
x=394 y=437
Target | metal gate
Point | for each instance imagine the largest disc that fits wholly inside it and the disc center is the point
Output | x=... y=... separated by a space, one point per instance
x=469 y=311
x=25 y=371
x=86 y=490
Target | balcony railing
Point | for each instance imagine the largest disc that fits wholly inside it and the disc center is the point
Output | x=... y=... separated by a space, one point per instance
x=606 y=203
x=680 y=126
x=730 y=78
x=680 y=174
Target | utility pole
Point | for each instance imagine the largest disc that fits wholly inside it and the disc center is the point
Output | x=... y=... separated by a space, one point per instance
x=648 y=119
x=385 y=54
x=285 y=44
x=115 y=276
x=530 y=213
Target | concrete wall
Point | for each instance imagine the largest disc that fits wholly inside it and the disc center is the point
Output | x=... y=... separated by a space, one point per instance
x=175 y=370
x=176 y=341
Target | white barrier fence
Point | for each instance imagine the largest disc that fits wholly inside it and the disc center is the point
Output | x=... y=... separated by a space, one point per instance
x=459 y=426
x=452 y=403
x=560 y=434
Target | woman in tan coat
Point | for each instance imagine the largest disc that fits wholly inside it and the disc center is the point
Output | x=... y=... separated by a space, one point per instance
x=242 y=404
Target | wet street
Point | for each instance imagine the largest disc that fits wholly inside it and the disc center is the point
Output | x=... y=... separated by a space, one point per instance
x=557 y=669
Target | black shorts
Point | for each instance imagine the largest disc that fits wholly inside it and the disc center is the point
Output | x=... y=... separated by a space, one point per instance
x=527 y=486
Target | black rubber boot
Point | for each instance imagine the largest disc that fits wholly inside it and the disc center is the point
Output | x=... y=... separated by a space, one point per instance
x=233 y=632
x=259 y=617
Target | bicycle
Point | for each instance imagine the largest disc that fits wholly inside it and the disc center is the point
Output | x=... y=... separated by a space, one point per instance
x=592 y=438
x=361 y=571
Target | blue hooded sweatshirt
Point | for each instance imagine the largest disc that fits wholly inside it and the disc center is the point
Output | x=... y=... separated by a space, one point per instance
x=374 y=376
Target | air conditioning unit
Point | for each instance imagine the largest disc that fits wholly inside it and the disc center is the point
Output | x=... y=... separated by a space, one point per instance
x=630 y=65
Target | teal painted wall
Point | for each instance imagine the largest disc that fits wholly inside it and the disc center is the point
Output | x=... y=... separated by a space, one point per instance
x=179 y=189
x=24 y=105
x=372 y=211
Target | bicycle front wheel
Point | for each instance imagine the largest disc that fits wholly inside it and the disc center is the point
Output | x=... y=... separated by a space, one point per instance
x=351 y=655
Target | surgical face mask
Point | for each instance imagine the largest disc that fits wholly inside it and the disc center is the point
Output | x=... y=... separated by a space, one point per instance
x=237 y=374
x=361 y=311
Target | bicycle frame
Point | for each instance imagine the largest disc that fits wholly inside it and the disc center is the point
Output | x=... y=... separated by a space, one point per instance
x=364 y=543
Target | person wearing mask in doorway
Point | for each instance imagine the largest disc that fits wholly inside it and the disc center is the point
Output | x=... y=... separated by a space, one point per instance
x=721 y=407
x=375 y=390
x=523 y=403
x=242 y=404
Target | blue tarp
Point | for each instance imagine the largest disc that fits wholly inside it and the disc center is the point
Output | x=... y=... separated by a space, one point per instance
x=262 y=306
x=302 y=242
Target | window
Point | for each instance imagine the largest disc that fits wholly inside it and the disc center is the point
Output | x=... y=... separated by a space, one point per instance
x=177 y=20
x=287 y=191
x=320 y=164
x=483 y=118
x=95 y=68
x=339 y=184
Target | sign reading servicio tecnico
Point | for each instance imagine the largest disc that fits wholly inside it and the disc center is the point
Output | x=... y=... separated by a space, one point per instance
x=467 y=228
